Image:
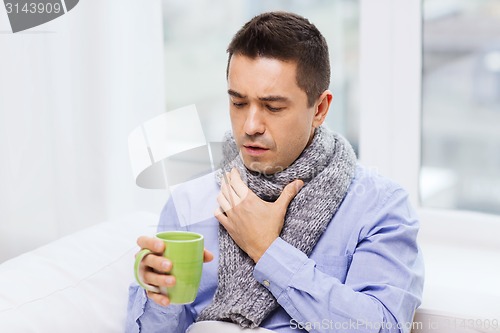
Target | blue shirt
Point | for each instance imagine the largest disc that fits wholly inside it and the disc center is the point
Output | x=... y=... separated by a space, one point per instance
x=365 y=274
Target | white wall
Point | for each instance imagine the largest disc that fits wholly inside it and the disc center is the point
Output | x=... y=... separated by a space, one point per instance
x=71 y=91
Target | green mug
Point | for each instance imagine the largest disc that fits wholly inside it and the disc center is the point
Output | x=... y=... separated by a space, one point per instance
x=185 y=250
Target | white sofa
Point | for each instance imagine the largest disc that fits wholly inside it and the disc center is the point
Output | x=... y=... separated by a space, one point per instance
x=78 y=283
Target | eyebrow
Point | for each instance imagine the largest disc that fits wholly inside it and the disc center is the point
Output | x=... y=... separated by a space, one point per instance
x=271 y=98
x=274 y=99
x=235 y=94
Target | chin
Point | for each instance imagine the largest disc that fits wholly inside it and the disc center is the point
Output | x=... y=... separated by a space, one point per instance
x=262 y=168
x=254 y=166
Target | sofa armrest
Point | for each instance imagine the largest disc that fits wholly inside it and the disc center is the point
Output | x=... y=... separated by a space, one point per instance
x=78 y=283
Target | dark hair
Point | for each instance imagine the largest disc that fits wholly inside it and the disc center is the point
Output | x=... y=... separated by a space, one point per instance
x=287 y=36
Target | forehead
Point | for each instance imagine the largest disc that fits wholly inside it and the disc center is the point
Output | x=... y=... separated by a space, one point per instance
x=262 y=76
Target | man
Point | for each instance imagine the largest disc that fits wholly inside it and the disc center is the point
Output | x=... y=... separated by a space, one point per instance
x=303 y=237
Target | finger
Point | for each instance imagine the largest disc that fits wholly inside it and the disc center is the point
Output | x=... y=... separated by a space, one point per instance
x=159 y=280
x=219 y=211
x=223 y=203
x=151 y=243
x=207 y=256
x=224 y=220
x=227 y=190
x=221 y=216
x=237 y=184
x=289 y=192
x=159 y=298
x=158 y=263
x=231 y=195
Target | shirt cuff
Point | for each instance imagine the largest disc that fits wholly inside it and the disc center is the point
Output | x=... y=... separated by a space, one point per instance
x=278 y=265
x=170 y=309
x=143 y=313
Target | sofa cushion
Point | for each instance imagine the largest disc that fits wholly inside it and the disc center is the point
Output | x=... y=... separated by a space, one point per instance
x=78 y=283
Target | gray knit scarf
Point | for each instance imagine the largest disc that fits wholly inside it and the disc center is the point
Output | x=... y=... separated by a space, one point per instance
x=327 y=167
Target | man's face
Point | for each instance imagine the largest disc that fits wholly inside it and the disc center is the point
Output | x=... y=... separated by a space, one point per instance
x=271 y=121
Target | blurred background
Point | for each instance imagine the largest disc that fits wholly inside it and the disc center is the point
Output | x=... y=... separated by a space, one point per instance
x=73 y=89
x=461 y=105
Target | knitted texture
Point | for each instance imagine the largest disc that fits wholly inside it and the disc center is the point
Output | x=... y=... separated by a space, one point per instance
x=327 y=167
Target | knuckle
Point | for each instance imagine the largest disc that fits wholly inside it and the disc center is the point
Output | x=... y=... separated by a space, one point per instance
x=152 y=278
x=220 y=197
x=145 y=242
x=147 y=277
x=149 y=260
x=156 y=261
x=140 y=241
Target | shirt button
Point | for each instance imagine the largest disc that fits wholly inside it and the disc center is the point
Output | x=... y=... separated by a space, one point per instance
x=266 y=283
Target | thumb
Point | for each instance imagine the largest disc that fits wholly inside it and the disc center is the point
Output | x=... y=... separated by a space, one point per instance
x=289 y=192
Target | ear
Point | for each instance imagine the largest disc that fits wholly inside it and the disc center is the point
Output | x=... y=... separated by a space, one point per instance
x=321 y=108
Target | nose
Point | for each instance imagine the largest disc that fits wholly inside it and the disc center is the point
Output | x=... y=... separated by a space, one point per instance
x=254 y=122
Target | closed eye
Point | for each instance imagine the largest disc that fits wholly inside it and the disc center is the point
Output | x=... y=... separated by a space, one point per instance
x=274 y=109
x=239 y=105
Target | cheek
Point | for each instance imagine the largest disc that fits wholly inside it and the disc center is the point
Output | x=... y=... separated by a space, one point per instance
x=292 y=144
x=236 y=124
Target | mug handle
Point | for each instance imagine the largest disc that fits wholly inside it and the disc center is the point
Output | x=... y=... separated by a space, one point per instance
x=137 y=271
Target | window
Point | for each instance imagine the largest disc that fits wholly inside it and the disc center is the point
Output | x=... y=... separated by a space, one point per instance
x=196 y=35
x=455 y=242
x=461 y=105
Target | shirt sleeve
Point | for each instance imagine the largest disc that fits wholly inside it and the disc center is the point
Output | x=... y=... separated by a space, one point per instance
x=143 y=314
x=383 y=282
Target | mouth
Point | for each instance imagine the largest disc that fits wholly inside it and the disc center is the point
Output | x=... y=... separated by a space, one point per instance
x=254 y=150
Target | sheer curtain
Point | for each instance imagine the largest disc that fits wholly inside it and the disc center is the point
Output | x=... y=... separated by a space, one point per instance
x=70 y=93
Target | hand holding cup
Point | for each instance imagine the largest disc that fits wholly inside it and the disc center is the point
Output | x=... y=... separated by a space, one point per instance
x=169 y=266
